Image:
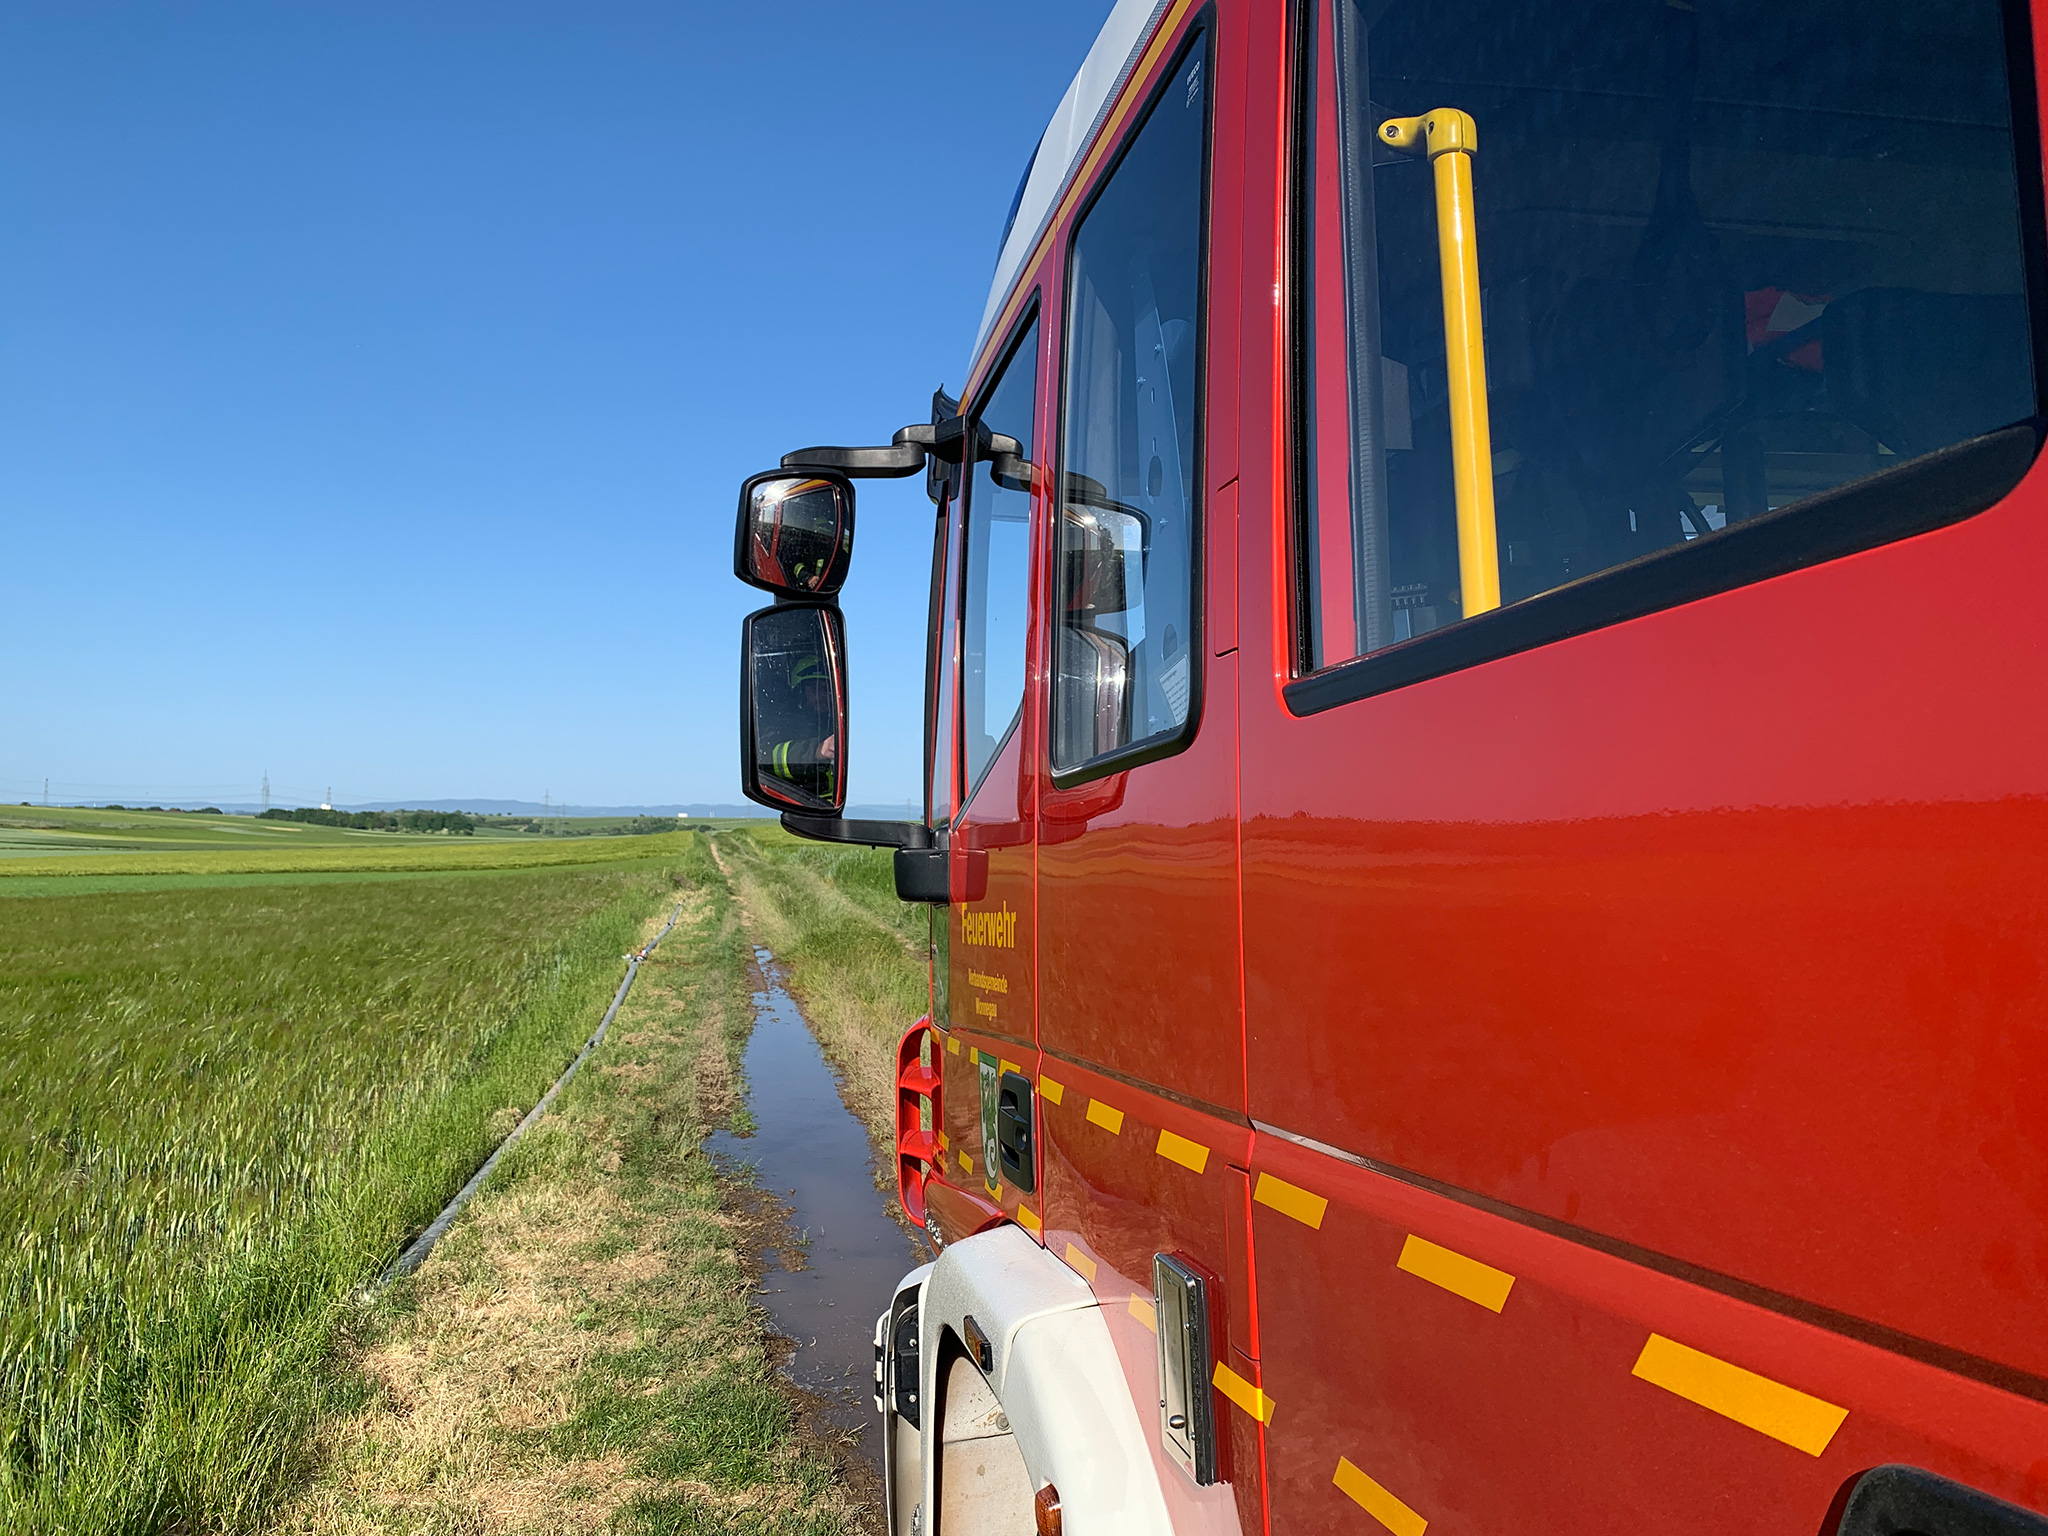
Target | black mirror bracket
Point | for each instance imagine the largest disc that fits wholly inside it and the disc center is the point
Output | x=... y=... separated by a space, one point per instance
x=870 y=834
x=920 y=863
x=946 y=441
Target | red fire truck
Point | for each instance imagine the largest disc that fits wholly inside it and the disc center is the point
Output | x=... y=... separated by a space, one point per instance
x=1488 y=783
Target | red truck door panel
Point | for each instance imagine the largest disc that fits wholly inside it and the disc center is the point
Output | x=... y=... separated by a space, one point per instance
x=1642 y=1012
x=1141 y=1081
x=993 y=931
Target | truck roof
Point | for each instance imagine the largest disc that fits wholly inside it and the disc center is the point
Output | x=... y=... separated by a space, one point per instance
x=1074 y=123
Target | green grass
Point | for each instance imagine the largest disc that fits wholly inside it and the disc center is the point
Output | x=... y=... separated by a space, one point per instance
x=32 y=831
x=389 y=852
x=583 y=1352
x=227 y=1105
x=837 y=924
x=78 y=841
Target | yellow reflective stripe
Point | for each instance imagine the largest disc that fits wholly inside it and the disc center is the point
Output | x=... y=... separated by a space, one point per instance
x=1178 y=1149
x=1756 y=1402
x=1242 y=1393
x=1291 y=1200
x=1142 y=1310
x=1469 y=1278
x=1081 y=1262
x=1376 y=1501
x=1052 y=1091
x=1110 y=1118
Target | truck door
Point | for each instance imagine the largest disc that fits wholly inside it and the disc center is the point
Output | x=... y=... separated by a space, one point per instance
x=1140 y=1086
x=990 y=947
x=1643 y=843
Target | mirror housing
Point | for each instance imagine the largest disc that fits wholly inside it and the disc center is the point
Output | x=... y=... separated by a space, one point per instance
x=795 y=539
x=793 y=708
x=795 y=533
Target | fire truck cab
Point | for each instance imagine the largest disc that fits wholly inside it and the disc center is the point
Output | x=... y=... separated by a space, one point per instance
x=1487 y=783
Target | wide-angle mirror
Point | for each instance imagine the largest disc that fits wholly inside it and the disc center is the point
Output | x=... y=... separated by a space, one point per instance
x=1101 y=564
x=793 y=707
x=795 y=534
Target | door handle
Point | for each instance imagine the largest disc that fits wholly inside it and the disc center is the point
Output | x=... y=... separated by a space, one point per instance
x=1013 y=1131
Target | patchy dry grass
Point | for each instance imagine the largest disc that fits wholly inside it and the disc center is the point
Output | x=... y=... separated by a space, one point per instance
x=582 y=1353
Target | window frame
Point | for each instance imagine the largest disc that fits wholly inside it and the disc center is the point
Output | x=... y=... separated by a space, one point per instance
x=1199 y=29
x=1931 y=491
x=947 y=515
x=1012 y=347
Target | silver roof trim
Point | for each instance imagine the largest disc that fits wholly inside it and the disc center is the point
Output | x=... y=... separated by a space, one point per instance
x=1075 y=122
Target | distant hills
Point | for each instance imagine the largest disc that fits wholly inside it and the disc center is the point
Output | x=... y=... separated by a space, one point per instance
x=900 y=811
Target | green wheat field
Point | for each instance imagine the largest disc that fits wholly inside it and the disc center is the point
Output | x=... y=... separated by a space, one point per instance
x=243 y=1063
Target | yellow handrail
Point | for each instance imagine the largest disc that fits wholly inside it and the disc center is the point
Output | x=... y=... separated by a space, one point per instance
x=1450 y=138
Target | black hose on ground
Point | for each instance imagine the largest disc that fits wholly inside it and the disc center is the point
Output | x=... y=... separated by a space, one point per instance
x=416 y=1252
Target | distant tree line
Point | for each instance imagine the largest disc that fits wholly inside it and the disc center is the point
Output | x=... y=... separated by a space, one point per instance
x=457 y=822
x=180 y=810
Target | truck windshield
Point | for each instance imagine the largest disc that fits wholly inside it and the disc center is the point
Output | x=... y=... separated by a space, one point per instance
x=1731 y=254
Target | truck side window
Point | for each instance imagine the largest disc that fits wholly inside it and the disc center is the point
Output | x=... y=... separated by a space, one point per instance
x=997 y=561
x=1729 y=256
x=1125 y=650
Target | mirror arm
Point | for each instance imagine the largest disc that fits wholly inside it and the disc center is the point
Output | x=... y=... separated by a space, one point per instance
x=946 y=441
x=890 y=463
x=871 y=834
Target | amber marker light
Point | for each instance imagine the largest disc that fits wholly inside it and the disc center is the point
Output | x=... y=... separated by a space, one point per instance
x=1045 y=1509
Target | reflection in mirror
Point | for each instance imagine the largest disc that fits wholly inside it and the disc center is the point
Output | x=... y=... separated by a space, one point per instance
x=1101 y=567
x=796 y=533
x=796 y=708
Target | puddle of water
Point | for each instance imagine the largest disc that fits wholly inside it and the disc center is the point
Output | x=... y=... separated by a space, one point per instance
x=810 y=1152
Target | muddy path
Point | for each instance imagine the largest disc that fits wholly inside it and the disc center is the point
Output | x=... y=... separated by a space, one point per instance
x=827 y=1268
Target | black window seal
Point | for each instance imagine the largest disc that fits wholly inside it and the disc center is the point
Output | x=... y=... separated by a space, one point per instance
x=1931 y=491
x=1013 y=344
x=1198 y=30
x=1926 y=493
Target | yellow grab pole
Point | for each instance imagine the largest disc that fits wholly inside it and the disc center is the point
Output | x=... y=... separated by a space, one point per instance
x=1450 y=138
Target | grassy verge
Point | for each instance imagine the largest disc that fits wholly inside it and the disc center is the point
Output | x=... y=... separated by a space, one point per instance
x=351 y=851
x=225 y=1109
x=852 y=953
x=581 y=1352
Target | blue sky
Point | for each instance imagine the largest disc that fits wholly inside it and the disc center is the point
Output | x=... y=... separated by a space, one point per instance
x=376 y=380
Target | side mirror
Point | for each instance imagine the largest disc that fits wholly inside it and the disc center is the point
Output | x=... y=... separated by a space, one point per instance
x=793 y=708
x=795 y=535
